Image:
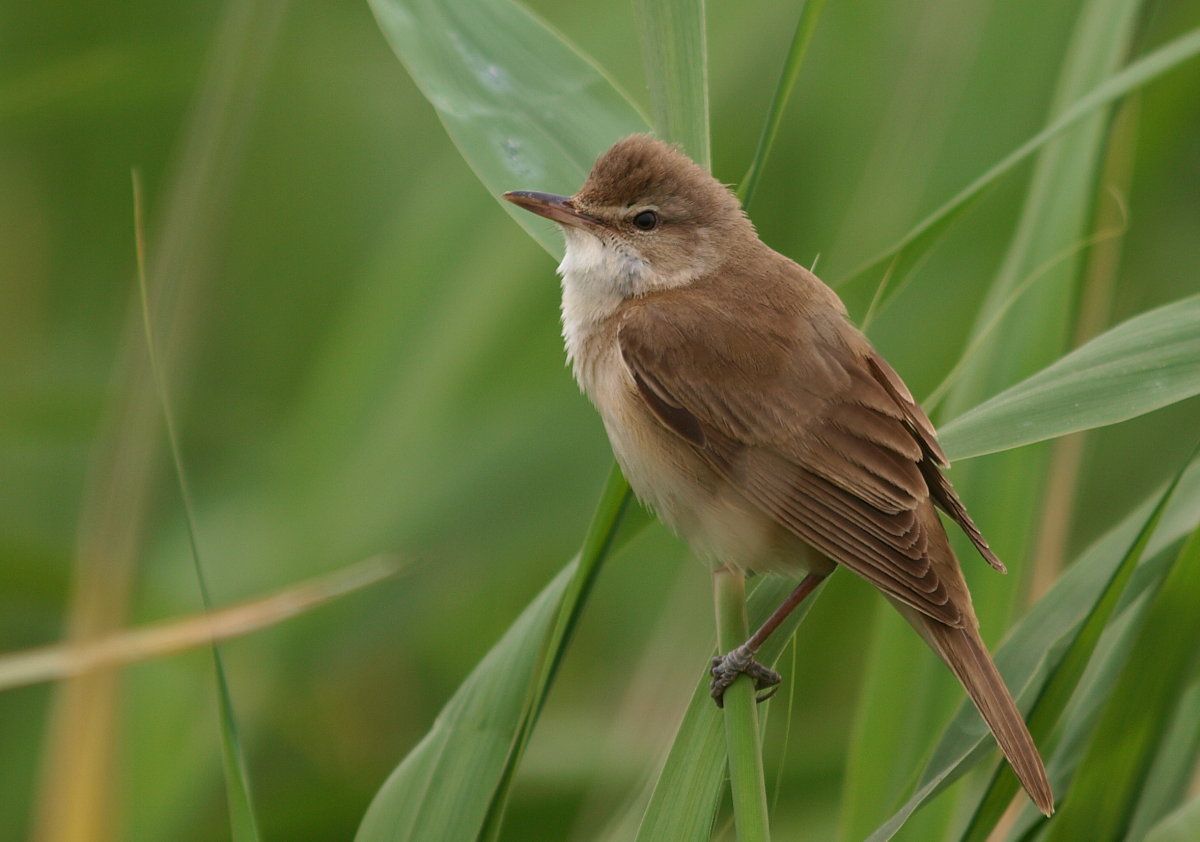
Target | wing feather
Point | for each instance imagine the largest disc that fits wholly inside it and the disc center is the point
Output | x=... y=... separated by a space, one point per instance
x=824 y=439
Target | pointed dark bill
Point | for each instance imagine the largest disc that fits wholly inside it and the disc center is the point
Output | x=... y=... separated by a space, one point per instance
x=556 y=208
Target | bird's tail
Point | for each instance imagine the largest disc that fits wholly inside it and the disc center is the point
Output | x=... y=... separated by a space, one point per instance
x=965 y=654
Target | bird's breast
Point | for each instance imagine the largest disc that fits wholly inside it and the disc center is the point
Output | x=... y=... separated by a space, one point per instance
x=670 y=477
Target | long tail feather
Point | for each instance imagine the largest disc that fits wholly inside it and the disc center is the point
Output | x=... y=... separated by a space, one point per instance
x=965 y=654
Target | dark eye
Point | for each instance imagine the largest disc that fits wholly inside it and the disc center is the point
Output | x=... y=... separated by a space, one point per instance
x=646 y=220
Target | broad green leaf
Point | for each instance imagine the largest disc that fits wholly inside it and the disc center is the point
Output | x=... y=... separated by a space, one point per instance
x=454 y=783
x=1143 y=364
x=1106 y=789
x=1147 y=362
x=904 y=697
x=675 y=56
x=1055 y=215
x=526 y=109
x=443 y=789
x=1043 y=635
x=685 y=798
x=1065 y=674
x=596 y=546
x=1181 y=826
x=1172 y=772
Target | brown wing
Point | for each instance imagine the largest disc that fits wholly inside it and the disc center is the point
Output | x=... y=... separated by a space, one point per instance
x=795 y=414
x=921 y=427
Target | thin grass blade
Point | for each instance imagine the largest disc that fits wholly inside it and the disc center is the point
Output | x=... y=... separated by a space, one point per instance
x=242 y=820
x=444 y=787
x=131 y=646
x=597 y=544
x=981 y=337
x=1172 y=772
x=1174 y=768
x=78 y=794
x=454 y=783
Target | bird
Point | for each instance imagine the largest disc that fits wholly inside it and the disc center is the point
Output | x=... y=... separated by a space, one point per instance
x=757 y=422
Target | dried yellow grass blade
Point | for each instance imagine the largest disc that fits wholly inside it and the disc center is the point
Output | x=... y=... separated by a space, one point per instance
x=121 y=648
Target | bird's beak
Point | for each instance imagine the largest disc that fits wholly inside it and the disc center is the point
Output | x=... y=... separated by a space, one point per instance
x=556 y=208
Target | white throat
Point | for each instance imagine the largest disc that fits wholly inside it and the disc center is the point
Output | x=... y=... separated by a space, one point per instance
x=596 y=277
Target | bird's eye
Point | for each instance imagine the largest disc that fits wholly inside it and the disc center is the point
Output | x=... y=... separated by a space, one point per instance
x=646 y=220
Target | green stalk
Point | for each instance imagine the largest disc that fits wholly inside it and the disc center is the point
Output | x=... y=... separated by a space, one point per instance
x=809 y=12
x=675 y=54
x=747 y=783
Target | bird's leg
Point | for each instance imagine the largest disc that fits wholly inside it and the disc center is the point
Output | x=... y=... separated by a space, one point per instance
x=727 y=667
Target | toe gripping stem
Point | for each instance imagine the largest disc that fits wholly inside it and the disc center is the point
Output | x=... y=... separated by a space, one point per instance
x=726 y=668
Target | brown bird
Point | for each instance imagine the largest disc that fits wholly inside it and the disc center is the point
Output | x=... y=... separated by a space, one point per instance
x=755 y=420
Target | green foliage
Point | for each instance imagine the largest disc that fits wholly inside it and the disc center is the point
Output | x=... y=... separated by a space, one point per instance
x=687 y=793
x=1005 y=494
x=675 y=55
x=482 y=731
x=243 y=825
x=522 y=104
x=1112 y=775
x=810 y=13
x=1053 y=627
x=371 y=365
x=1180 y=826
x=1141 y=365
x=900 y=260
x=444 y=787
x=1065 y=673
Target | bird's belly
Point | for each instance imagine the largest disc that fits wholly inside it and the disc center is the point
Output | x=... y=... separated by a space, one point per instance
x=719 y=524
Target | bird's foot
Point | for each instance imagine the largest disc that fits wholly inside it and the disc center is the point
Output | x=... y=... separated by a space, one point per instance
x=725 y=668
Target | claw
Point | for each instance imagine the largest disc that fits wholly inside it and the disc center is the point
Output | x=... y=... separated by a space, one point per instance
x=762 y=697
x=726 y=668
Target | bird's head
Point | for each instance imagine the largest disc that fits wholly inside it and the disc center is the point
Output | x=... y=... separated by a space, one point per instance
x=647 y=218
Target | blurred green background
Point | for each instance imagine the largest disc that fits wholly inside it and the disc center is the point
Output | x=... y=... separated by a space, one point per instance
x=365 y=358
